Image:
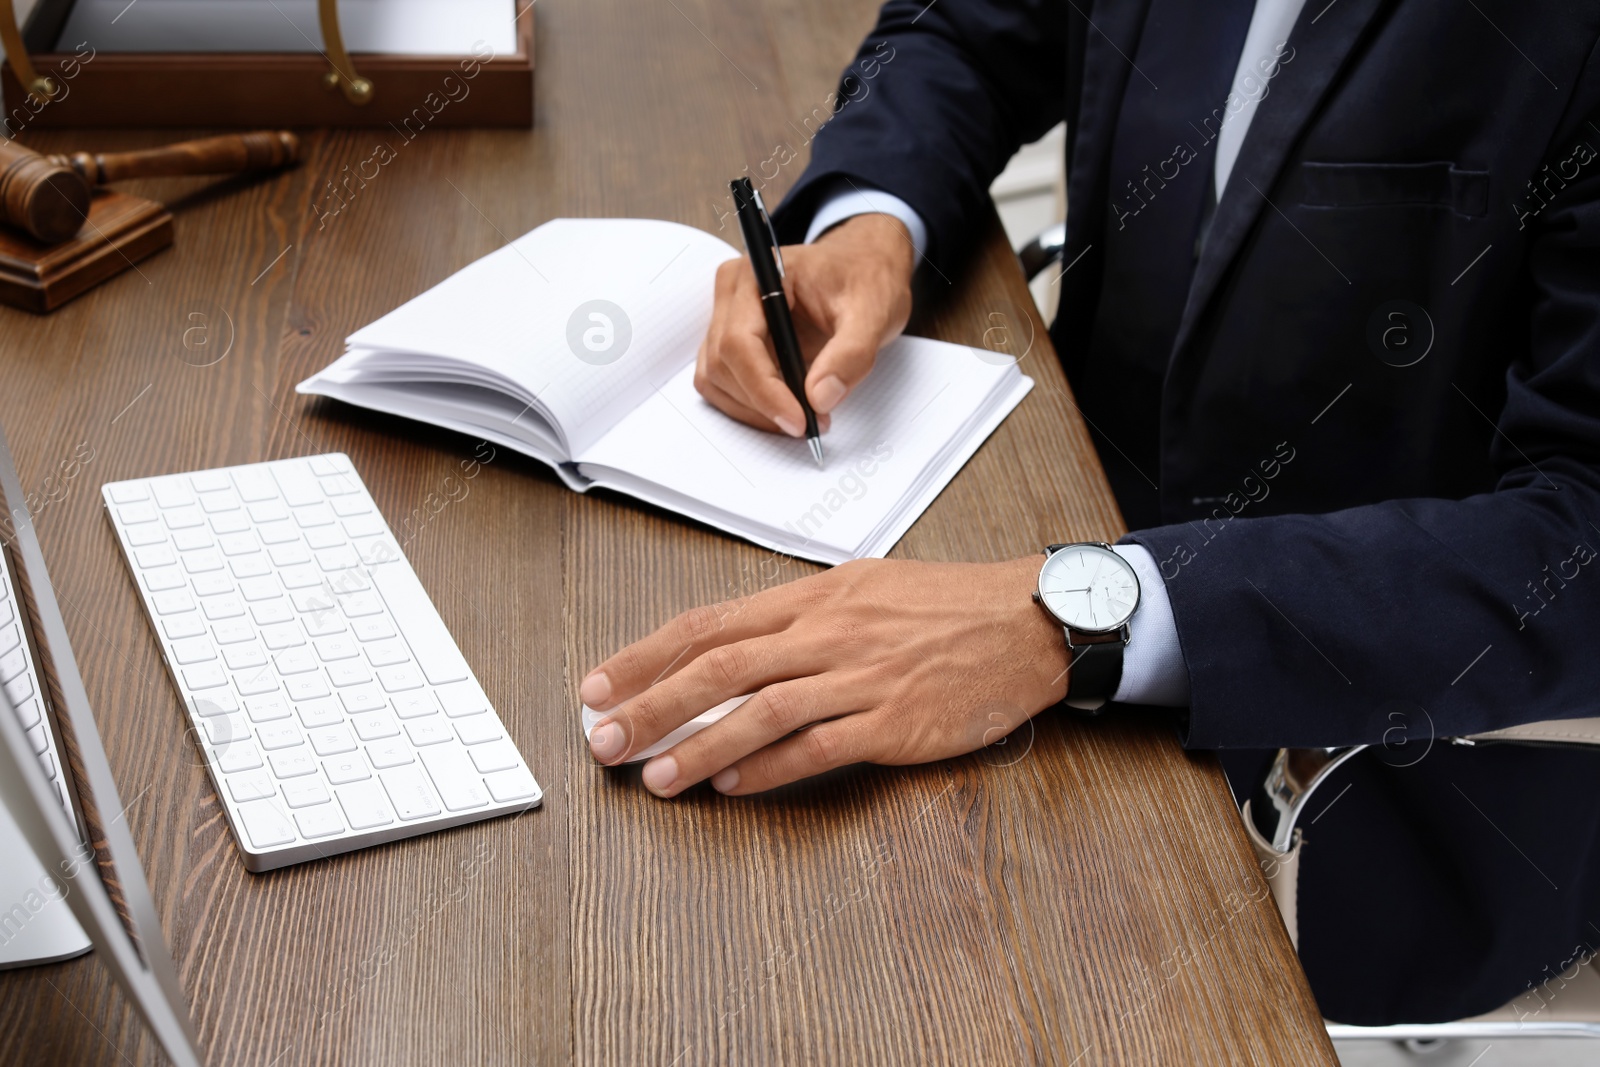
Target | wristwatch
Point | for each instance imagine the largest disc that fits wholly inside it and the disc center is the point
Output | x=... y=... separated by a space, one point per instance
x=1092 y=592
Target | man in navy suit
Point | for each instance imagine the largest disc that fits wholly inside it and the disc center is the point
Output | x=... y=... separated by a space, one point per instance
x=1330 y=303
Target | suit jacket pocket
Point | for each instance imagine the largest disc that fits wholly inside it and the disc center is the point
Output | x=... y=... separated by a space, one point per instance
x=1441 y=184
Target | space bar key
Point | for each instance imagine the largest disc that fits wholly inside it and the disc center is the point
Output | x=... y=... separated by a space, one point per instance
x=419 y=624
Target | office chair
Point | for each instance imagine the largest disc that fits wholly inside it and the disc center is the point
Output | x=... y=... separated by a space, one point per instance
x=1566 y=1006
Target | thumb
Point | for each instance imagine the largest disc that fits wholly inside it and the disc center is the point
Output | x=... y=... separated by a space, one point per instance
x=841 y=365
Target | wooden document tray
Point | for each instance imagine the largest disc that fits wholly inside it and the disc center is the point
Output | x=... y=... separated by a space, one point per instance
x=271 y=89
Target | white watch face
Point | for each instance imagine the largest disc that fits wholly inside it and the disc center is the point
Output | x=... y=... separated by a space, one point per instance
x=1089 y=588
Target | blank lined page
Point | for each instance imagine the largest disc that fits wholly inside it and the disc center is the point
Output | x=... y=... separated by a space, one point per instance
x=914 y=404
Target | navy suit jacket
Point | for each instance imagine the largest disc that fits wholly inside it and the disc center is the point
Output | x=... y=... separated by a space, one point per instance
x=1377 y=433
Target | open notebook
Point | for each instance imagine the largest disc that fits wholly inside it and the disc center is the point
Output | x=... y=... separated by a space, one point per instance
x=575 y=344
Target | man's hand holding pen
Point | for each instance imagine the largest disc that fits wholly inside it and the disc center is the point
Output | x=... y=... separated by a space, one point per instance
x=850 y=294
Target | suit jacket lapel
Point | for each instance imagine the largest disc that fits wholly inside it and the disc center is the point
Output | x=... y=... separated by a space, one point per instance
x=1322 y=40
x=1110 y=37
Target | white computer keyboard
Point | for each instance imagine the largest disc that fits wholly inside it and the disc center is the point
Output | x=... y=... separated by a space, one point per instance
x=331 y=703
x=19 y=673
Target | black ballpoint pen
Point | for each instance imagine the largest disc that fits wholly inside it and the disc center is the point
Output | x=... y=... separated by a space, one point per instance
x=761 y=242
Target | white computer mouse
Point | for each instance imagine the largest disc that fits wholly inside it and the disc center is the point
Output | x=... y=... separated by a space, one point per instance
x=591 y=717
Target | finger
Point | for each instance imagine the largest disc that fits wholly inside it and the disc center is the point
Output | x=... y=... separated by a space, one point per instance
x=843 y=362
x=670 y=648
x=835 y=743
x=749 y=370
x=775 y=712
x=722 y=673
x=726 y=404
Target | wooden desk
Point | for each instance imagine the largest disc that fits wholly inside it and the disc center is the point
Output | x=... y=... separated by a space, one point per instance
x=1083 y=894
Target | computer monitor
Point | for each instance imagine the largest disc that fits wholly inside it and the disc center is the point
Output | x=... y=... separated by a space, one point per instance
x=93 y=869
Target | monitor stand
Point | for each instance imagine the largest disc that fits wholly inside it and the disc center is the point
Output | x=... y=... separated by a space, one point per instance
x=36 y=926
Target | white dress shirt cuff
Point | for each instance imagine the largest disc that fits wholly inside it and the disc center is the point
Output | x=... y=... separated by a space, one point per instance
x=1153 y=670
x=848 y=200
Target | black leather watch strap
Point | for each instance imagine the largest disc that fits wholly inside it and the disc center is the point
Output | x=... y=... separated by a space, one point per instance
x=1096 y=669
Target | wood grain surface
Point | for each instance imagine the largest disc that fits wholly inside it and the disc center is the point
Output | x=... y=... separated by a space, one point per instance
x=1082 y=894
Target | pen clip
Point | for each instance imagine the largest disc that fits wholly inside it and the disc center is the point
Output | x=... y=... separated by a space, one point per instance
x=772 y=233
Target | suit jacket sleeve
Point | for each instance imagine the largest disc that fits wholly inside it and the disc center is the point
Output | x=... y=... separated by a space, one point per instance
x=939 y=97
x=1408 y=620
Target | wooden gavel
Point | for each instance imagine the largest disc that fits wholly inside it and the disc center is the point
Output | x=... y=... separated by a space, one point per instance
x=48 y=196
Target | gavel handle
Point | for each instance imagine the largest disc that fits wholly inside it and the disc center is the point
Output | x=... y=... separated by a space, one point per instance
x=231 y=153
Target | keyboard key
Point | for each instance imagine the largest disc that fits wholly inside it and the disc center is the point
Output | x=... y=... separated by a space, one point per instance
x=338 y=485
x=387 y=653
x=183 y=518
x=337 y=559
x=410 y=793
x=364 y=526
x=243 y=656
x=231 y=632
x=207 y=559
x=329 y=464
x=214 y=702
x=238 y=544
x=254 y=483
x=140 y=536
x=300 y=576
x=476 y=729
x=393 y=753
x=209 y=481
x=462 y=699
x=322 y=537
x=219 y=500
x=428 y=731
x=172 y=492
x=267 y=708
x=365 y=805
x=348 y=672
x=226 y=729
x=357 y=605
x=297 y=483
x=13 y=663
x=271 y=612
x=155 y=556
x=347 y=505
x=257 y=680
x=133 y=514
x=458 y=781
x=273 y=510
x=206 y=585
x=251 y=785
x=177 y=627
x=375 y=628
x=495 y=756
x=277 y=533
x=319 y=822
x=512 y=785
x=204 y=676
x=362 y=698
x=304 y=792
x=19 y=689
x=400 y=678
x=238 y=756
x=315 y=713
x=192 y=539
x=255 y=590
x=230 y=522
x=293 y=762
x=163 y=578
x=279 y=735
x=342 y=769
x=295 y=661
x=319 y=514
x=37 y=738
x=287 y=555
x=322 y=623
x=306 y=687
x=283 y=635
x=337 y=647
x=251 y=566
x=332 y=740
x=193 y=650
x=127 y=492
x=28 y=713
x=222 y=607
x=10 y=638
x=264 y=824
x=416 y=705
x=372 y=725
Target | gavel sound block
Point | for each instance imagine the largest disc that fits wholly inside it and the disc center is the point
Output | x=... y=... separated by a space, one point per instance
x=61 y=233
